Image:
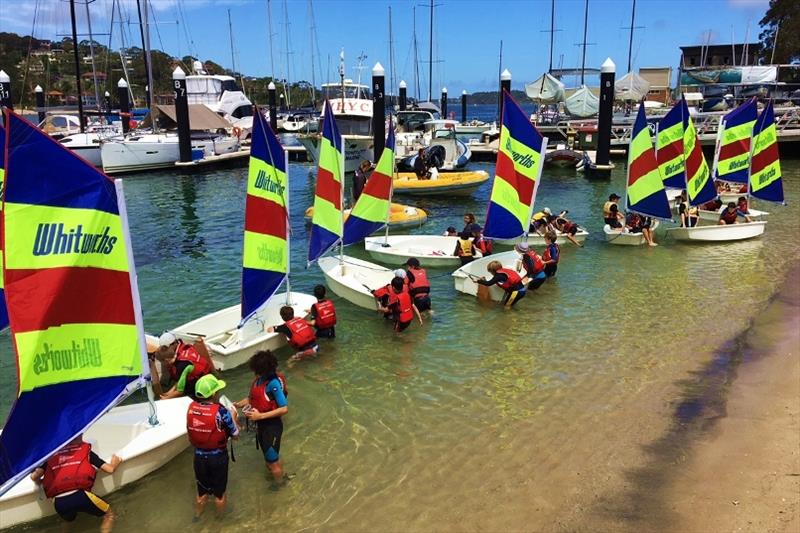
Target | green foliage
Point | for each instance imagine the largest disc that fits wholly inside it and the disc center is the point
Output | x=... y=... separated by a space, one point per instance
x=783 y=14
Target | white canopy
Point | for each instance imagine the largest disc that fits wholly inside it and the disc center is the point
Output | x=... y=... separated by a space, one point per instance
x=631 y=87
x=545 y=90
x=583 y=103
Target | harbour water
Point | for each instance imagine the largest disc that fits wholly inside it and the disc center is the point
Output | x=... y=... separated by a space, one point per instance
x=534 y=418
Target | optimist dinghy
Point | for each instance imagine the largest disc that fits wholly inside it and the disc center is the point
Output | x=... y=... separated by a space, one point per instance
x=433 y=251
x=97 y=348
x=465 y=278
x=234 y=334
x=537 y=239
x=623 y=238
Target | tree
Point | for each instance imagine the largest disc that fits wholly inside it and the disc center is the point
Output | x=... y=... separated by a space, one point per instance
x=782 y=19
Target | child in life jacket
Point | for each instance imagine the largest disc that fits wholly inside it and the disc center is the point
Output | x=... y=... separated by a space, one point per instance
x=209 y=425
x=418 y=285
x=186 y=363
x=383 y=295
x=552 y=254
x=533 y=265
x=485 y=246
x=323 y=315
x=299 y=334
x=508 y=280
x=465 y=250
x=265 y=405
x=68 y=477
x=401 y=306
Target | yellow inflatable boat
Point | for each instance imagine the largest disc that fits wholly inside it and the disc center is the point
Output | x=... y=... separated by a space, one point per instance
x=400 y=216
x=443 y=183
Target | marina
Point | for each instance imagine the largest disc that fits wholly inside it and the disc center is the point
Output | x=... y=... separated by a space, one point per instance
x=582 y=316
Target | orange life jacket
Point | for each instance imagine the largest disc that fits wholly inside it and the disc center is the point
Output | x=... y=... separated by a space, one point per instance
x=69 y=469
x=405 y=311
x=513 y=279
x=421 y=286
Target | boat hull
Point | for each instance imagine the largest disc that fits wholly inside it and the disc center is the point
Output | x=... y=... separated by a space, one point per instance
x=400 y=216
x=231 y=346
x=719 y=233
x=357 y=148
x=445 y=184
x=123 y=431
x=152 y=152
x=353 y=278
x=433 y=251
x=626 y=239
x=713 y=216
x=535 y=239
x=463 y=282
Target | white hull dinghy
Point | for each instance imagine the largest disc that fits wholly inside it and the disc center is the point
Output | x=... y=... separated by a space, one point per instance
x=719 y=233
x=353 y=279
x=537 y=239
x=433 y=251
x=713 y=216
x=123 y=431
x=464 y=277
x=616 y=236
x=231 y=346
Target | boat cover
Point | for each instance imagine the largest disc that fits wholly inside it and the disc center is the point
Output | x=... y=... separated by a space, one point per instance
x=631 y=87
x=583 y=103
x=545 y=90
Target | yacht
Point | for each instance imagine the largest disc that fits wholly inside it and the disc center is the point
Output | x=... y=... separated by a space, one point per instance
x=352 y=106
x=221 y=95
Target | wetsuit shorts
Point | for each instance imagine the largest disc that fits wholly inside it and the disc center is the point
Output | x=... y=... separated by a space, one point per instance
x=550 y=269
x=537 y=281
x=400 y=326
x=80 y=501
x=513 y=296
x=423 y=303
x=211 y=472
x=269 y=439
x=327 y=333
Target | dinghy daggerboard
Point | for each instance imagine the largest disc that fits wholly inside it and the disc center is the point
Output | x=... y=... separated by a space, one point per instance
x=645 y=193
x=371 y=211
x=3 y=312
x=72 y=303
x=265 y=257
x=326 y=223
x=520 y=157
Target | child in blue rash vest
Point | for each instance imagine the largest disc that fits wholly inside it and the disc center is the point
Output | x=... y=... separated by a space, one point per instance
x=552 y=254
x=266 y=405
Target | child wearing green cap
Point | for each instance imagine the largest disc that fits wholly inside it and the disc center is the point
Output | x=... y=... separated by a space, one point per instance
x=209 y=425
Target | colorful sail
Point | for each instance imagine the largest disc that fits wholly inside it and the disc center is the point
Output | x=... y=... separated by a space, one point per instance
x=765 y=164
x=3 y=312
x=371 y=211
x=519 y=166
x=733 y=159
x=265 y=258
x=71 y=294
x=699 y=185
x=669 y=148
x=645 y=189
x=326 y=224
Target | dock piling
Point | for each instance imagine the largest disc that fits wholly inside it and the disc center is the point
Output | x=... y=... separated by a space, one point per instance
x=5 y=90
x=378 y=110
x=107 y=101
x=403 y=96
x=124 y=105
x=607 y=72
x=463 y=107
x=182 y=114
x=39 y=92
x=505 y=85
x=273 y=107
x=443 y=102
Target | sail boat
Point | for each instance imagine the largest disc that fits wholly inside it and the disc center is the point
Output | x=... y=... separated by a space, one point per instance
x=354 y=279
x=66 y=231
x=518 y=171
x=669 y=151
x=547 y=89
x=644 y=188
x=235 y=333
x=583 y=102
x=700 y=187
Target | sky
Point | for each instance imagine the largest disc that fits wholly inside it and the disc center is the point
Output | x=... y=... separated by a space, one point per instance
x=466 y=34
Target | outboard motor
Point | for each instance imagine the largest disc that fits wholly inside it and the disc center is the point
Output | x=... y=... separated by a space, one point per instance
x=436 y=155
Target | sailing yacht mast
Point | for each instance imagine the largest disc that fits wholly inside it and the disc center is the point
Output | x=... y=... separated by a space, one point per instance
x=392 y=79
x=269 y=28
x=416 y=53
x=430 y=58
x=585 y=30
x=287 y=85
x=91 y=54
x=312 y=32
x=77 y=64
x=144 y=48
x=630 y=41
x=552 y=31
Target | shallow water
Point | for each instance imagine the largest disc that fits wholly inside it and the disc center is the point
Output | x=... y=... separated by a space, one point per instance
x=478 y=419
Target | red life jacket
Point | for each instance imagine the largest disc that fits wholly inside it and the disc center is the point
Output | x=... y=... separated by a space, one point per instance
x=405 y=311
x=383 y=291
x=325 y=314
x=258 y=394
x=513 y=279
x=187 y=352
x=538 y=263
x=483 y=245
x=548 y=256
x=69 y=469
x=728 y=216
x=201 y=426
x=743 y=207
x=302 y=333
x=421 y=286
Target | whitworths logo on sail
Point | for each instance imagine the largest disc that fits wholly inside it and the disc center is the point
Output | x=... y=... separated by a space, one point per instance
x=74 y=355
x=266 y=182
x=55 y=238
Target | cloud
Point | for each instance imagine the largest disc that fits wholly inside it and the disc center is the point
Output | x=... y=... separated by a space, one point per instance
x=749 y=4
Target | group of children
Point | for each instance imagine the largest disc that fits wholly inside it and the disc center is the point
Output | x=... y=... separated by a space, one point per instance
x=470 y=240
x=407 y=295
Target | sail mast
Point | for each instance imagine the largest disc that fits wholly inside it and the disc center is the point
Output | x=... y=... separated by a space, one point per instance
x=630 y=40
x=271 y=47
x=430 y=58
x=77 y=64
x=91 y=55
x=312 y=33
x=144 y=50
x=552 y=32
x=288 y=84
x=416 y=52
x=585 y=30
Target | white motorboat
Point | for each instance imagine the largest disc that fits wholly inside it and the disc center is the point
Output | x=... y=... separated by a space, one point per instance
x=86 y=145
x=124 y=431
x=353 y=279
x=537 y=239
x=220 y=94
x=719 y=233
x=464 y=278
x=352 y=106
x=440 y=143
x=231 y=346
x=713 y=216
x=433 y=251
x=622 y=237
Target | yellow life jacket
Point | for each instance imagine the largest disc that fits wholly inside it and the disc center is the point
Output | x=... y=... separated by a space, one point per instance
x=607 y=210
x=539 y=216
x=466 y=247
